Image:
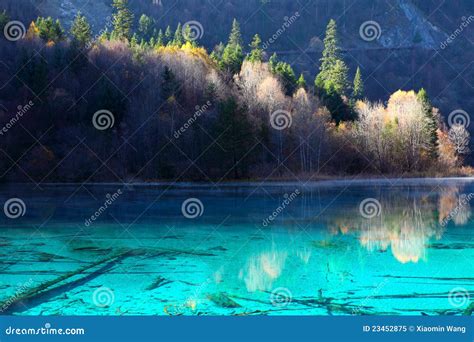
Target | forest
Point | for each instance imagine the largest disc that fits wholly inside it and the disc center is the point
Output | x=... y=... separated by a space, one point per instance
x=143 y=102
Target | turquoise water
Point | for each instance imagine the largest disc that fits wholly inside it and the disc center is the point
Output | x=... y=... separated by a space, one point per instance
x=272 y=249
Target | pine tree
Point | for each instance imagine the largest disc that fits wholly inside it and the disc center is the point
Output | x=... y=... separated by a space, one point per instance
x=332 y=80
x=178 y=39
x=287 y=76
x=331 y=50
x=358 y=86
x=49 y=30
x=256 y=54
x=217 y=52
x=272 y=62
x=122 y=20
x=235 y=37
x=81 y=30
x=301 y=83
x=235 y=134
x=159 y=39
x=233 y=56
x=145 y=26
x=431 y=123
x=168 y=36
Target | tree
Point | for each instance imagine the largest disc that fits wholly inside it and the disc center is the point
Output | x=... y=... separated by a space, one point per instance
x=232 y=57
x=145 y=26
x=235 y=37
x=272 y=62
x=431 y=123
x=287 y=76
x=122 y=20
x=358 y=86
x=217 y=52
x=81 y=30
x=331 y=82
x=256 y=54
x=178 y=39
x=301 y=83
x=234 y=133
x=331 y=52
x=168 y=36
x=459 y=137
x=49 y=30
x=160 y=39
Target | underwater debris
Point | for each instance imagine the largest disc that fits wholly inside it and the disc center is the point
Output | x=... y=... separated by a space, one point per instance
x=222 y=300
x=158 y=282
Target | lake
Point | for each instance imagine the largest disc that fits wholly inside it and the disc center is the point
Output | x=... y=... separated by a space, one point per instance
x=398 y=247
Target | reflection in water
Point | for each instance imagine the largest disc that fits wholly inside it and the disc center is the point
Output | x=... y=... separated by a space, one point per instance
x=261 y=270
x=407 y=223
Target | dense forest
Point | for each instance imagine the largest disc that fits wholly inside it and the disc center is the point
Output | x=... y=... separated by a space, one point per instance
x=137 y=101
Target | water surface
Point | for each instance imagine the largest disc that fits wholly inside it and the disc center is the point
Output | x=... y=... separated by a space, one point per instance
x=253 y=248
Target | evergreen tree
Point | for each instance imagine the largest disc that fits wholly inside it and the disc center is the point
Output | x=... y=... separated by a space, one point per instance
x=358 y=86
x=272 y=62
x=122 y=20
x=332 y=80
x=216 y=54
x=49 y=30
x=233 y=56
x=169 y=85
x=256 y=54
x=81 y=30
x=145 y=26
x=301 y=83
x=287 y=76
x=168 y=36
x=235 y=37
x=159 y=39
x=431 y=123
x=178 y=39
x=331 y=52
x=235 y=135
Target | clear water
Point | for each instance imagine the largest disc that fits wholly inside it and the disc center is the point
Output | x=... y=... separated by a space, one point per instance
x=317 y=256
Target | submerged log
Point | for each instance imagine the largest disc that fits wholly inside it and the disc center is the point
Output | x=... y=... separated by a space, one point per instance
x=12 y=304
x=222 y=300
